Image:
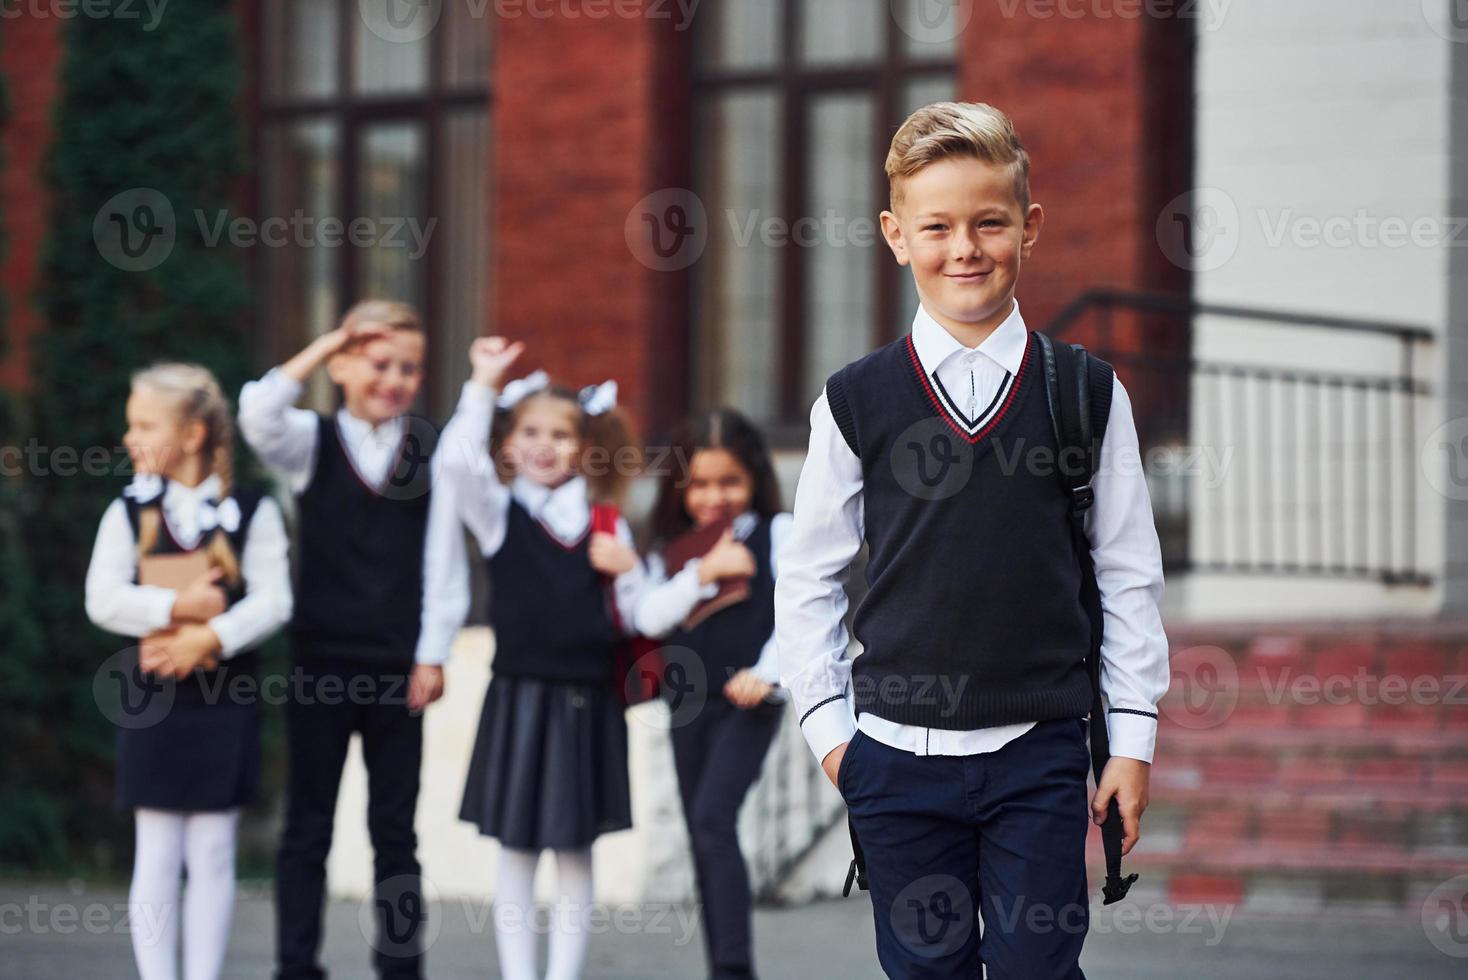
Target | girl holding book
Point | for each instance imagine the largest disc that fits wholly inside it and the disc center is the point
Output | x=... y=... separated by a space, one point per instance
x=710 y=593
x=526 y=460
x=198 y=569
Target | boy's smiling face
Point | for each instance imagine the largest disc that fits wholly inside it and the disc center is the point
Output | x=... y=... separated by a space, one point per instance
x=961 y=228
x=379 y=378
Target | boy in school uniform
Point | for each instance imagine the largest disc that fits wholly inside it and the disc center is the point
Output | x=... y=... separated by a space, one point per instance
x=958 y=737
x=383 y=586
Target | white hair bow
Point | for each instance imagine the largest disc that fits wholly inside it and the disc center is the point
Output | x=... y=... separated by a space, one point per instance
x=599 y=399
x=521 y=388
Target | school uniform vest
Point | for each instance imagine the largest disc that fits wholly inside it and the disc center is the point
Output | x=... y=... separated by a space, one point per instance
x=247 y=500
x=731 y=639
x=549 y=607
x=360 y=570
x=973 y=617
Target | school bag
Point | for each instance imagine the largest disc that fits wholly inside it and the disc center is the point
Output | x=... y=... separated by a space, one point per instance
x=637 y=667
x=1078 y=394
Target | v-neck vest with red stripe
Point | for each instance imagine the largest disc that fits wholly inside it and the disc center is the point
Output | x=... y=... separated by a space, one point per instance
x=549 y=607
x=360 y=567
x=973 y=614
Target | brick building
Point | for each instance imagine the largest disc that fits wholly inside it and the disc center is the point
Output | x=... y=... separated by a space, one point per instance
x=683 y=196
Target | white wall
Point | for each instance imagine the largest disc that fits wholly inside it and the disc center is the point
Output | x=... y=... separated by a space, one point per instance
x=1312 y=112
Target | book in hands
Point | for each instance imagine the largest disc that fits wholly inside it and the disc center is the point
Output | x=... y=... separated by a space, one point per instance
x=696 y=544
x=176 y=572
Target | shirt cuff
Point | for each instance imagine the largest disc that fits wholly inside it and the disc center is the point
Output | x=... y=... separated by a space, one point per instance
x=433 y=650
x=157 y=606
x=230 y=640
x=827 y=725
x=690 y=571
x=1133 y=736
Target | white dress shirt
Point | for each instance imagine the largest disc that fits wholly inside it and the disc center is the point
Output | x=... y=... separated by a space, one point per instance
x=119 y=605
x=285 y=438
x=483 y=502
x=829 y=527
x=666 y=602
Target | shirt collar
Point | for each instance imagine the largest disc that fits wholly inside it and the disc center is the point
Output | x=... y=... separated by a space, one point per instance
x=360 y=430
x=1005 y=346
x=563 y=507
x=208 y=489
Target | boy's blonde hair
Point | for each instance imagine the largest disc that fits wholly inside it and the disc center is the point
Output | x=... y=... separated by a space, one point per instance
x=389 y=312
x=957 y=129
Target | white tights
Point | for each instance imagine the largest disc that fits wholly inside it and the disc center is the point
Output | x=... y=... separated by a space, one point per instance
x=514 y=900
x=167 y=843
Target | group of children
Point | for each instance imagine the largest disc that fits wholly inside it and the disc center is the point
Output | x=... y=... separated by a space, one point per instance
x=974 y=585
x=381 y=586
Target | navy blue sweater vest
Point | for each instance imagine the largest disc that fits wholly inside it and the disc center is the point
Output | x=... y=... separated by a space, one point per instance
x=731 y=639
x=973 y=616
x=549 y=607
x=360 y=572
x=248 y=499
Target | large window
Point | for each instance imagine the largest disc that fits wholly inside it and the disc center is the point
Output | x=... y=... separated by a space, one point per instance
x=374 y=148
x=796 y=102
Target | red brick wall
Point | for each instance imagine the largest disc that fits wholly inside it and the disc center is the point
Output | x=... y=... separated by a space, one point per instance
x=582 y=119
x=1103 y=106
x=30 y=54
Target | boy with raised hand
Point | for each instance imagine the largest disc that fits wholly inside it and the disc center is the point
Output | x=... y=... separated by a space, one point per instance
x=958 y=737
x=383 y=586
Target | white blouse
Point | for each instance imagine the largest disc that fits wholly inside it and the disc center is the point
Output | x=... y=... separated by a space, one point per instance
x=117 y=604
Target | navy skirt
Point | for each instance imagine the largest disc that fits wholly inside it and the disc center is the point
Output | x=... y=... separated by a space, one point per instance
x=549 y=768
x=188 y=745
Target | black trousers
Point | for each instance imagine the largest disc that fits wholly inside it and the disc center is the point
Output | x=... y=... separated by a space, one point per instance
x=328 y=700
x=718 y=755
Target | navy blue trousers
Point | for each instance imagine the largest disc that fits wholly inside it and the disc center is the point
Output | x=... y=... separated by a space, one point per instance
x=999 y=836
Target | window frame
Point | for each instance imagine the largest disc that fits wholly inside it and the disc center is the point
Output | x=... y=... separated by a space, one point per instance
x=797 y=84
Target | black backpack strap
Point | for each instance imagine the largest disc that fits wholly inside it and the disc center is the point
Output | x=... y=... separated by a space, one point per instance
x=1078 y=390
x=840 y=410
x=857 y=873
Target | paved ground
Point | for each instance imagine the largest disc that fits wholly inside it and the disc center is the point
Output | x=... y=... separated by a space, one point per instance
x=58 y=933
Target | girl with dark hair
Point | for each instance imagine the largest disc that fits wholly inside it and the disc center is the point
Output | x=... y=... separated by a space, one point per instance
x=719 y=749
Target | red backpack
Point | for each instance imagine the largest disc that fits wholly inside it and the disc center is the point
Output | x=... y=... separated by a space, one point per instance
x=637 y=667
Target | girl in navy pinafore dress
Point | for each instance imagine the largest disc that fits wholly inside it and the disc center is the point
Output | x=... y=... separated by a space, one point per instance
x=549 y=766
